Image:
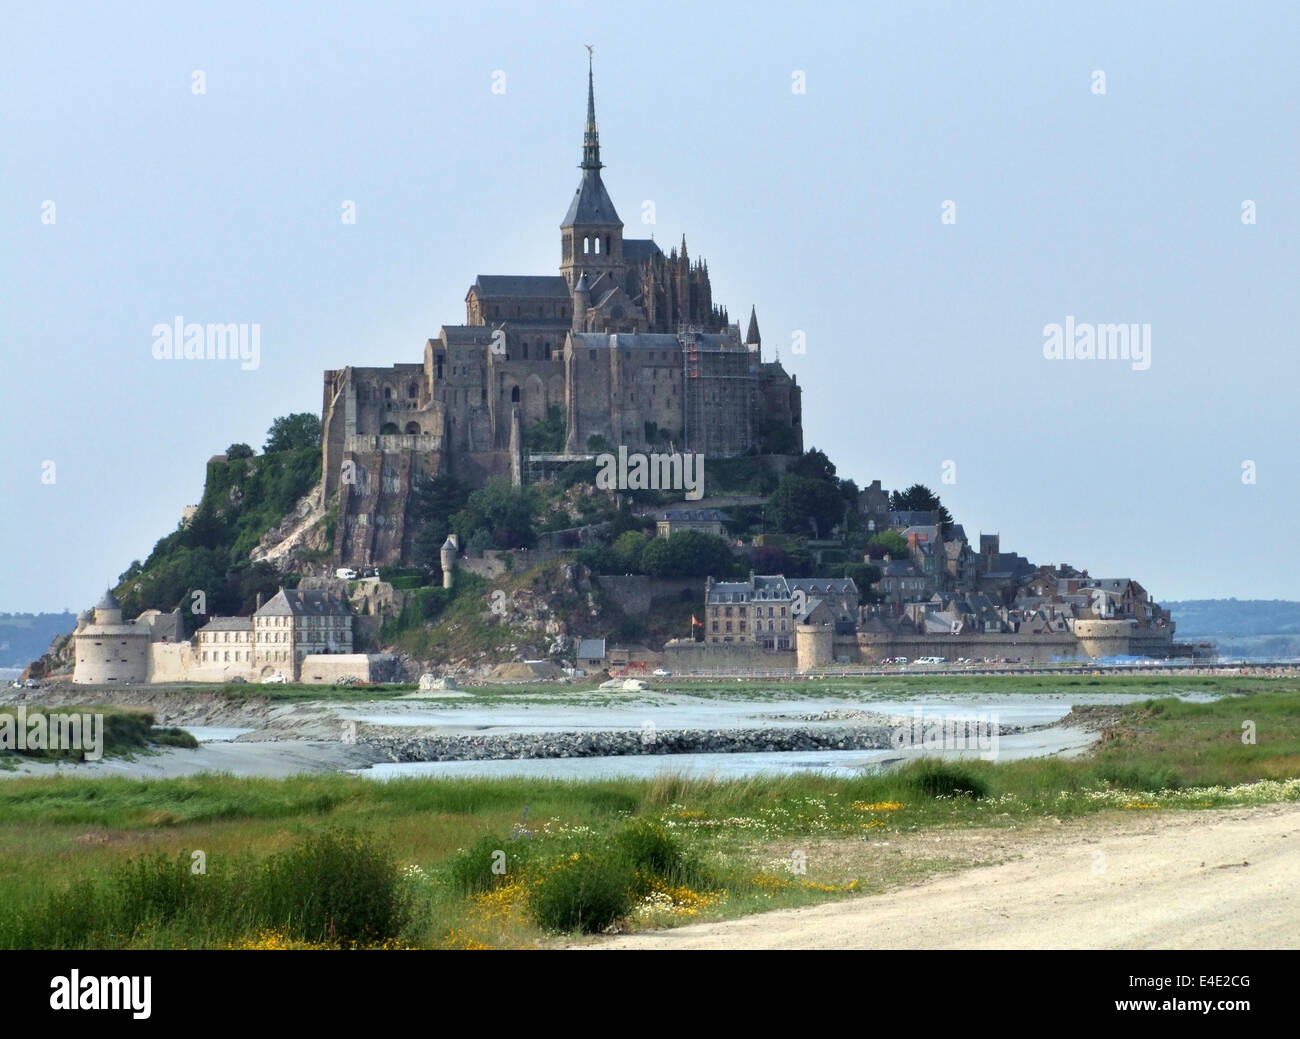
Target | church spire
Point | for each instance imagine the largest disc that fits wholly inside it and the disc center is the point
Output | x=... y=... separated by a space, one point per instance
x=590 y=135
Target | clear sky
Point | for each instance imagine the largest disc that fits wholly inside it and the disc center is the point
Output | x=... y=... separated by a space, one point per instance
x=924 y=339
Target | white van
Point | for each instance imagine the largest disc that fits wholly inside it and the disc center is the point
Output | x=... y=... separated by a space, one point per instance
x=346 y=573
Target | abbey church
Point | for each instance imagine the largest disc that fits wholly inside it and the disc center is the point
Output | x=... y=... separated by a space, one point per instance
x=625 y=345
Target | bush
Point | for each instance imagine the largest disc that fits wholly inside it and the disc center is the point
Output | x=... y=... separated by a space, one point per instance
x=587 y=894
x=651 y=849
x=931 y=777
x=470 y=871
x=335 y=887
x=338 y=886
x=1138 y=777
x=173 y=737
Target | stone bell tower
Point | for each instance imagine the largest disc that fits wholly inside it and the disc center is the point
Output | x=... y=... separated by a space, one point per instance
x=591 y=236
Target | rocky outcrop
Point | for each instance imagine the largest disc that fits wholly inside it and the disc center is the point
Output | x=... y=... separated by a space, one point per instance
x=303 y=528
x=616 y=744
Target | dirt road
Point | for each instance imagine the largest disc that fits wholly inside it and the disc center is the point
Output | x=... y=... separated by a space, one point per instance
x=1212 y=879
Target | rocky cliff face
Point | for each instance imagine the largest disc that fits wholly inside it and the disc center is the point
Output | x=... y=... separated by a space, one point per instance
x=302 y=531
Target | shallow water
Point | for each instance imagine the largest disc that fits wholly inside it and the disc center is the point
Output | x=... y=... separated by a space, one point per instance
x=214 y=733
x=845 y=763
x=668 y=711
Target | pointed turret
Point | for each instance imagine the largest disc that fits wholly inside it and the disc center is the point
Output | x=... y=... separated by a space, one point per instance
x=591 y=234
x=591 y=134
x=752 y=337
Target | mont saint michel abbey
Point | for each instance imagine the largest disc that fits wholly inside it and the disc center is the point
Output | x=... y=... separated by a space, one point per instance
x=626 y=342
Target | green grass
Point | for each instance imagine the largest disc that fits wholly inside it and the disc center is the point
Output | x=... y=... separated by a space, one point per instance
x=694 y=847
x=126 y=731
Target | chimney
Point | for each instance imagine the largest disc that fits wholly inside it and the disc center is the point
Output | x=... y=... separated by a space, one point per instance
x=259 y=602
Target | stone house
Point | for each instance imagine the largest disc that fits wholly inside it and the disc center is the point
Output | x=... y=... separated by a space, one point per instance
x=295 y=623
x=706 y=521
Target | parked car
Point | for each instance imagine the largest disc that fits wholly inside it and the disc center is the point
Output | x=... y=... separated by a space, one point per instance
x=279 y=678
x=345 y=573
x=659 y=672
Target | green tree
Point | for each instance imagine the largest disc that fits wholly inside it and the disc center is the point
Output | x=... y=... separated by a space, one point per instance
x=688 y=553
x=301 y=429
x=919 y=498
x=815 y=465
x=235 y=451
x=864 y=575
x=626 y=552
x=803 y=505
x=503 y=511
x=890 y=541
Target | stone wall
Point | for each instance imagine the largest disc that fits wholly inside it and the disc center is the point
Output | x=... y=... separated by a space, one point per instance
x=331 y=668
x=634 y=592
x=682 y=655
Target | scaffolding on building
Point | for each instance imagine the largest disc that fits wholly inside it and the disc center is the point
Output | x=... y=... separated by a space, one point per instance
x=717 y=414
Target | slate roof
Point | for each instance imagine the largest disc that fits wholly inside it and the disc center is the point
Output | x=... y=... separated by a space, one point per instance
x=693 y=516
x=637 y=250
x=476 y=334
x=824 y=585
x=228 y=624
x=300 y=602
x=591 y=203
x=591 y=649
x=772 y=586
x=107 y=601
x=535 y=286
x=731 y=591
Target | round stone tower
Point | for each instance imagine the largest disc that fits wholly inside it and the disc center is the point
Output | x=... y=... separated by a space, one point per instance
x=814 y=645
x=109 y=651
x=108 y=610
x=447 y=554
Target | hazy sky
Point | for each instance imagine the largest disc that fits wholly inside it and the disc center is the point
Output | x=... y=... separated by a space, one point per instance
x=924 y=339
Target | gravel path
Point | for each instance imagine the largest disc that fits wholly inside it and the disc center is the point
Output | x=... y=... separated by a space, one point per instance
x=1227 y=879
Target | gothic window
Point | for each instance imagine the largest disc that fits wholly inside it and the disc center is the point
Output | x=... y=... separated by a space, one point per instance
x=525 y=349
x=388 y=429
x=514 y=395
x=388 y=393
x=410 y=391
x=413 y=428
x=598 y=245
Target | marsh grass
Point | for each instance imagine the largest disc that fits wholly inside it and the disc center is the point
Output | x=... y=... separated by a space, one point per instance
x=71 y=849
